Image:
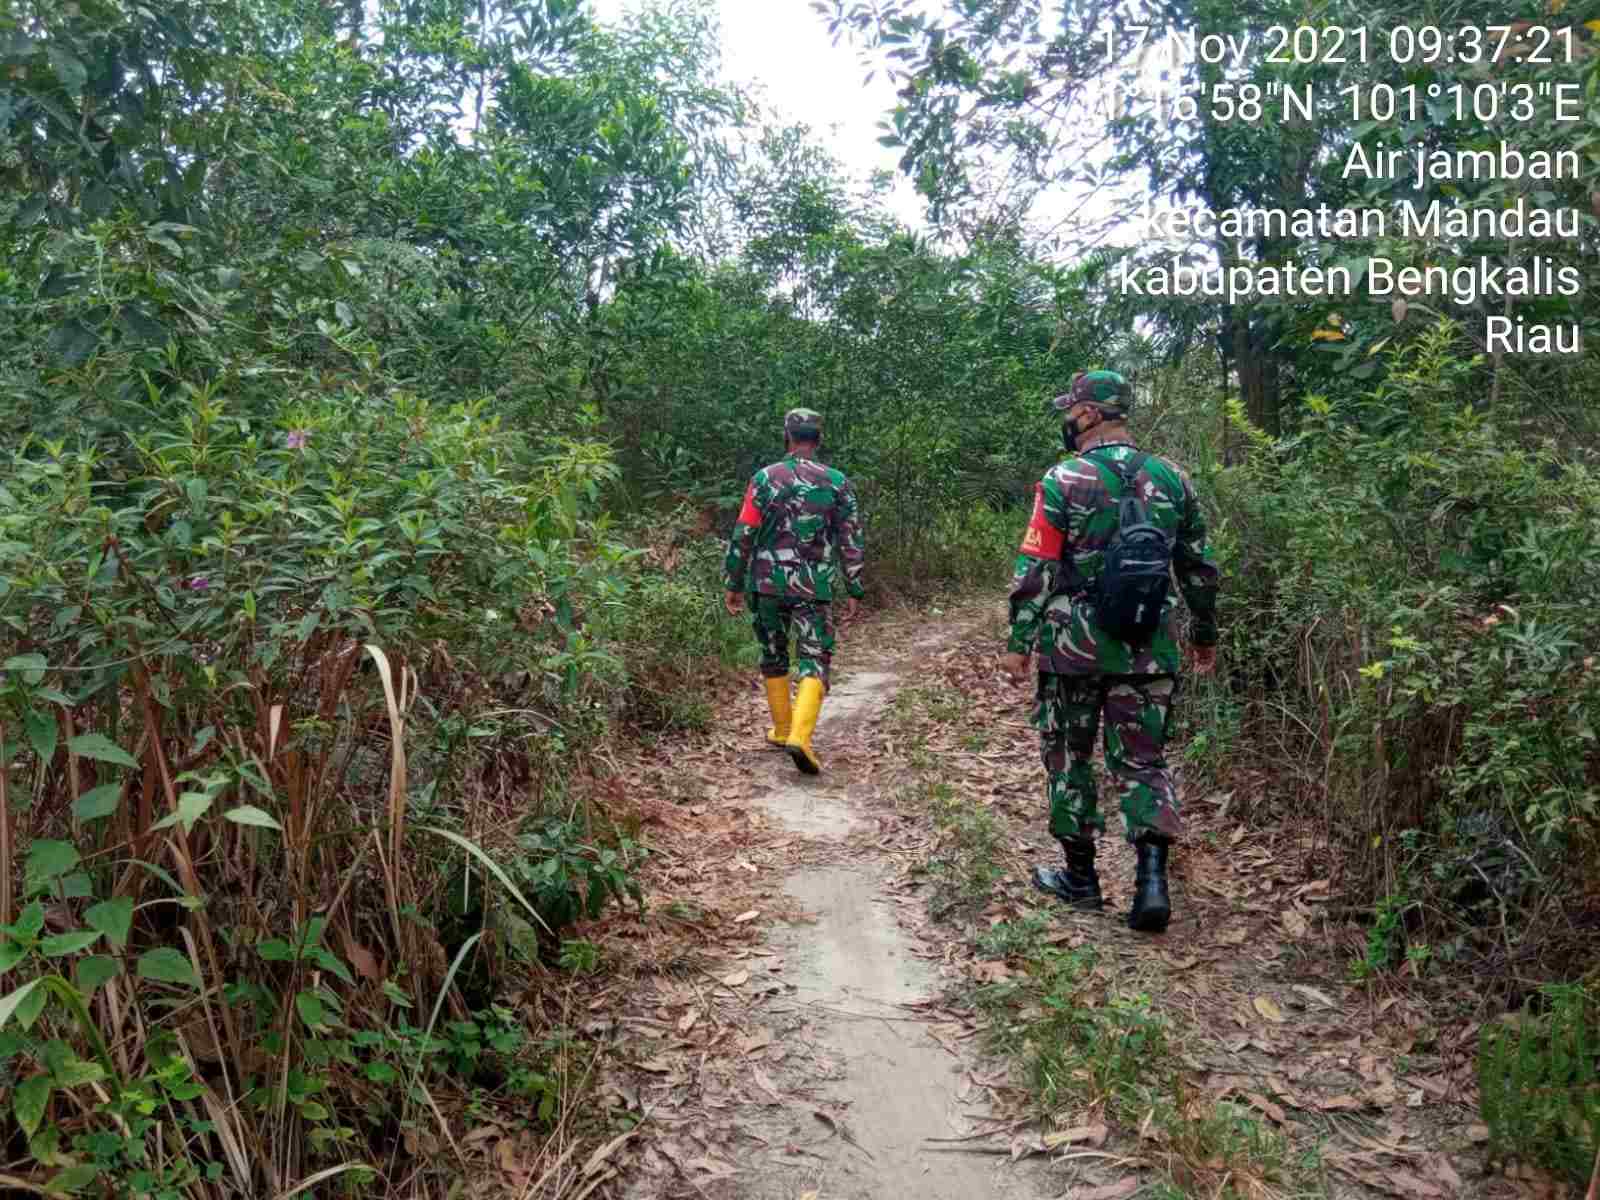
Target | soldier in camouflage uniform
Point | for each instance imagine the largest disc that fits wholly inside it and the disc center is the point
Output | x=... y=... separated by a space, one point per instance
x=1085 y=675
x=778 y=556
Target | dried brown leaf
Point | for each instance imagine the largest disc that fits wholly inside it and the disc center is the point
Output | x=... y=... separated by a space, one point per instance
x=1090 y=1135
x=737 y=979
x=1340 y=1103
x=1268 y=1008
x=744 y=917
x=1445 y=1172
x=363 y=960
x=991 y=972
x=712 y=1166
x=506 y=1155
x=598 y=1158
x=1261 y=1103
x=1413 y=1187
x=1312 y=994
x=764 y=1082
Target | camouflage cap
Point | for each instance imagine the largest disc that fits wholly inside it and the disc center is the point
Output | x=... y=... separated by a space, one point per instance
x=1108 y=389
x=802 y=422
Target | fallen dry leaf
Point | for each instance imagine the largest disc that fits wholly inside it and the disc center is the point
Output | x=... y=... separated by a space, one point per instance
x=1261 y=1103
x=1405 y=1183
x=1295 y=925
x=758 y=1040
x=737 y=979
x=1090 y=1135
x=1445 y=1172
x=1268 y=1008
x=713 y=1166
x=747 y=916
x=991 y=972
x=598 y=1158
x=1340 y=1103
x=764 y=1082
x=364 y=960
x=506 y=1152
x=689 y=1019
x=1312 y=994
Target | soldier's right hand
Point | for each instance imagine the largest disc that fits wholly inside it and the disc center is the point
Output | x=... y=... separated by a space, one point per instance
x=1015 y=666
x=733 y=602
x=1203 y=659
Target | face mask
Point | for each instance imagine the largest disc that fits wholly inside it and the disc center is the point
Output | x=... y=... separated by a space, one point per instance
x=1071 y=431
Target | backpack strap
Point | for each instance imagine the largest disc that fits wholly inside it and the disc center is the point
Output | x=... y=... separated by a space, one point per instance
x=1071 y=582
x=1126 y=472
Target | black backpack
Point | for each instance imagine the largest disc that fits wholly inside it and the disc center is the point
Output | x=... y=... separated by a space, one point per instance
x=1135 y=571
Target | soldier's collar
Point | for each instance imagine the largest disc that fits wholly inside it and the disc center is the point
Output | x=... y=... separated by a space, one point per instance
x=1107 y=446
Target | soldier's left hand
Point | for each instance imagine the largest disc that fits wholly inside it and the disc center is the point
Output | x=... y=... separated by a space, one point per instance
x=1015 y=666
x=733 y=602
x=851 y=607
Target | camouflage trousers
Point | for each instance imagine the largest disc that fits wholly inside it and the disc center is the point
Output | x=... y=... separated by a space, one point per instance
x=813 y=635
x=1137 y=711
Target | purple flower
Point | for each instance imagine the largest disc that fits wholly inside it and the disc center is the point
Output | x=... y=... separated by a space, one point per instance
x=295 y=439
x=198 y=583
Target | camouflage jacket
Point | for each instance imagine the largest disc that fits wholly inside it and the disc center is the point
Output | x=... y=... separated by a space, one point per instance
x=792 y=510
x=1074 y=519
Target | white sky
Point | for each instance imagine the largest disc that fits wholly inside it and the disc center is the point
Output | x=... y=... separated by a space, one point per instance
x=784 y=49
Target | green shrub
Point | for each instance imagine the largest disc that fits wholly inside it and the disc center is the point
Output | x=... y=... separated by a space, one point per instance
x=1407 y=611
x=224 y=639
x=1539 y=1083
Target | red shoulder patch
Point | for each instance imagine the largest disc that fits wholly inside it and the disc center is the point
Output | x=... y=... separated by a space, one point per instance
x=750 y=514
x=1042 y=540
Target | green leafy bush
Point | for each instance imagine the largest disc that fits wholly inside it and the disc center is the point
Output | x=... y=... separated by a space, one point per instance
x=1539 y=1083
x=1408 y=614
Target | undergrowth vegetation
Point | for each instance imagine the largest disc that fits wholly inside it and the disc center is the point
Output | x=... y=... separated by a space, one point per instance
x=1087 y=1028
x=1410 y=655
x=381 y=380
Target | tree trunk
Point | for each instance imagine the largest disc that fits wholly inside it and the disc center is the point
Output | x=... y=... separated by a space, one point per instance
x=1258 y=373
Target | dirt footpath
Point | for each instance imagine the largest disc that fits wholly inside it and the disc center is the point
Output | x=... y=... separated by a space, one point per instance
x=791 y=1022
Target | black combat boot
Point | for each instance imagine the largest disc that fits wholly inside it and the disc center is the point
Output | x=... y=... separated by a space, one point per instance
x=1152 y=907
x=1077 y=884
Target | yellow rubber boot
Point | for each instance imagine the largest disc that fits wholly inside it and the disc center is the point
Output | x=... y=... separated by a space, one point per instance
x=778 y=702
x=807 y=704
